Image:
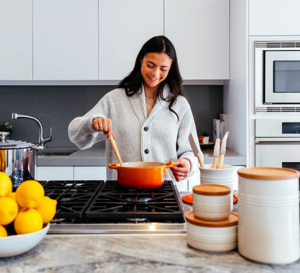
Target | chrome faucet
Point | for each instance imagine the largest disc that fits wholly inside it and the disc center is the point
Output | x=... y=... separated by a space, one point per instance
x=42 y=140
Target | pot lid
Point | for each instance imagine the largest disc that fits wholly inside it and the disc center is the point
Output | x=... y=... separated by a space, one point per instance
x=211 y=190
x=231 y=221
x=13 y=144
x=268 y=173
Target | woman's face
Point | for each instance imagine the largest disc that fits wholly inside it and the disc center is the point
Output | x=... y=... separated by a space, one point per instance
x=155 y=68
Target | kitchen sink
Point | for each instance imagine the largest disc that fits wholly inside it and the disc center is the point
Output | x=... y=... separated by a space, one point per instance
x=51 y=152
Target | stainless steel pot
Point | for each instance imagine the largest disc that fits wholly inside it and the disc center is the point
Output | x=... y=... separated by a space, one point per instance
x=17 y=159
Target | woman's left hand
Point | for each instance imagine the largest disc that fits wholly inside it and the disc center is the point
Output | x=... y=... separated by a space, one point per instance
x=181 y=169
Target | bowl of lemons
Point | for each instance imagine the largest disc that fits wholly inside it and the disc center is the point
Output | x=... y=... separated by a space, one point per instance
x=24 y=216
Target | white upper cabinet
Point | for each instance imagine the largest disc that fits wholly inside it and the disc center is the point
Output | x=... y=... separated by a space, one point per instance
x=274 y=17
x=16 y=40
x=124 y=26
x=65 y=39
x=199 y=30
x=99 y=40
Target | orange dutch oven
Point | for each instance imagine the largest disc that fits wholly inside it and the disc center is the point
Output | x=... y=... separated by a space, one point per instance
x=141 y=175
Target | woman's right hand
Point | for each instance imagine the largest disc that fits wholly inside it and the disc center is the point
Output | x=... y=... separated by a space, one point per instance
x=104 y=125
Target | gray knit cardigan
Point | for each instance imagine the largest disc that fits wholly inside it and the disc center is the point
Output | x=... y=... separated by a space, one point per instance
x=160 y=137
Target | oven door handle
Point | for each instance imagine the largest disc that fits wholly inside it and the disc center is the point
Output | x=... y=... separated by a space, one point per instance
x=277 y=139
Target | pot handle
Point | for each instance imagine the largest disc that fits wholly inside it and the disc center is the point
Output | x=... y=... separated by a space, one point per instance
x=169 y=164
x=113 y=166
x=37 y=147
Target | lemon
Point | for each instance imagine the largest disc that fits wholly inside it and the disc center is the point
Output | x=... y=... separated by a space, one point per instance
x=3 y=232
x=13 y=195
x=5 y=184
x=47 y=208
x=29 y=194
x=28 y=221
x=8 y=210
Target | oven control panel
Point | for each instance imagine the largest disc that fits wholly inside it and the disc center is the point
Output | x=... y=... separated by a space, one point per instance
x=291 y=127
x=277 y=128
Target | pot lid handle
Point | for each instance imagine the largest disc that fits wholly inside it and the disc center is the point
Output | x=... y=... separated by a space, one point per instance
x=3 y=136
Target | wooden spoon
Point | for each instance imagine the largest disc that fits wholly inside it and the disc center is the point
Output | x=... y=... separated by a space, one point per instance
x=115 y=148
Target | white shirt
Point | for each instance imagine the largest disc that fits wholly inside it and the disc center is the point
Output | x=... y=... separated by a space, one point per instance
x=160 y=137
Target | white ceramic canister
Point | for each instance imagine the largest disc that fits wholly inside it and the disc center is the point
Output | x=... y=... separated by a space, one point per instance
x=211 y=202
x=268 y=210
x=224 y=176
x=212 y=236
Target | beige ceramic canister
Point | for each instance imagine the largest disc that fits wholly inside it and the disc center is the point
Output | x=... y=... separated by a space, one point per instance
x=212 y=236
x=211 y=202
x=268 y=210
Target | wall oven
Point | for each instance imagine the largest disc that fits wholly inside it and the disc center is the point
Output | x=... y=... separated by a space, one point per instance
x=277 y=142
x=277 y=76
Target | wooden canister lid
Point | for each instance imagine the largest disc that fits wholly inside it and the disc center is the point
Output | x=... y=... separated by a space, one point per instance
x=268 y=173
x=231 y=221
x=211 y=190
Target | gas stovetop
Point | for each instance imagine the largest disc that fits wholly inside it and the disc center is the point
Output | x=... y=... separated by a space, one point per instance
x=106 y=207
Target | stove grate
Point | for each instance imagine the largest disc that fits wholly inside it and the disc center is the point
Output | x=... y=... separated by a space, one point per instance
x=73 y=197
x=116 y=203
x=108 y=202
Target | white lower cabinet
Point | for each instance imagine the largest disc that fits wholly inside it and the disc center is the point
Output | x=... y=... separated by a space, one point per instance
x=59 y=173
x=54 y=173
x=193 y=181
x=90 y=173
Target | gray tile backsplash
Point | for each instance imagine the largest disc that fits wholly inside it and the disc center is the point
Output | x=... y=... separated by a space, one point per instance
x=56 y=106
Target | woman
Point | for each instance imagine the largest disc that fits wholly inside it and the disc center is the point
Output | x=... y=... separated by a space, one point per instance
x=147 y=114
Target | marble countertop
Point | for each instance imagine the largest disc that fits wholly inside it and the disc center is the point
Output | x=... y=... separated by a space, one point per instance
x=96 y=157
x=129 y=253
x=118 y=253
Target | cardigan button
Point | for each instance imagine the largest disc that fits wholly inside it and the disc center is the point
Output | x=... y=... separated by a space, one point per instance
x=146 y=129
x=146 y=151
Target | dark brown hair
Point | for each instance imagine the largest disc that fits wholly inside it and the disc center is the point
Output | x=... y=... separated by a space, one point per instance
x=133 y=82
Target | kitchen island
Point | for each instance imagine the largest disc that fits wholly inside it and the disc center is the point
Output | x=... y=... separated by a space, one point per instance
x=129 y=253
x=144 y=253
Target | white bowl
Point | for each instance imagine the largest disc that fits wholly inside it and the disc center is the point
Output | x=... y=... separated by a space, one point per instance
x=18 y=244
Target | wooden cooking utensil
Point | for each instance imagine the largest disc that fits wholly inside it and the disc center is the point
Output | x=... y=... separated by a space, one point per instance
x=223 y=150
x=216 y=153
x=196 y=151
x=115 y=148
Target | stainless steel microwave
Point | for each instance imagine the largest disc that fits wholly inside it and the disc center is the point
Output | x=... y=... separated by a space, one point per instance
x=277 y=76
